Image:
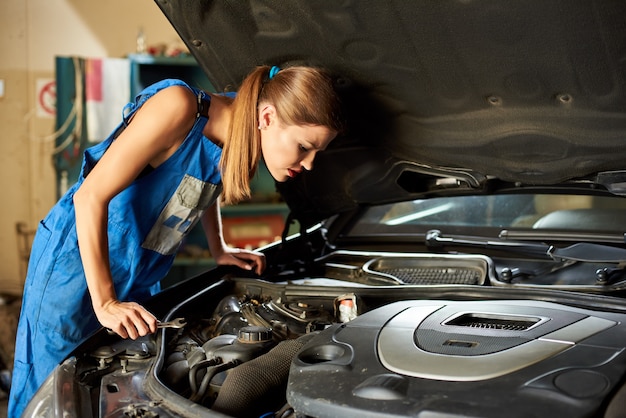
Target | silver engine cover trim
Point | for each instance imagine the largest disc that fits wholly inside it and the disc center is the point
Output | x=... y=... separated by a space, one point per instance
x=398 y=352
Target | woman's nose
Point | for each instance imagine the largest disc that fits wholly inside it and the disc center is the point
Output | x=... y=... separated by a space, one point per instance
x=307 y=161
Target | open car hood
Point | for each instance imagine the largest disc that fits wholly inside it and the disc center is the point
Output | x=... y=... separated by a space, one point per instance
x=528 y=92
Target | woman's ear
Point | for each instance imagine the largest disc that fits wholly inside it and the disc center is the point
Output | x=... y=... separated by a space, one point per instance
x=267 y=115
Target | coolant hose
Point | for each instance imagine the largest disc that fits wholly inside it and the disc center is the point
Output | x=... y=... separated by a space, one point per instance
x=259 y=385
x=196 y=396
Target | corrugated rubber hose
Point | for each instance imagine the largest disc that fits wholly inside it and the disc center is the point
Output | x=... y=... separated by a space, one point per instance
x=259 y=385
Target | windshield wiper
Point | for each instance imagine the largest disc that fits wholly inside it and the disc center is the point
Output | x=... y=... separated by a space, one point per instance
x=540 y=235
x=582 y=251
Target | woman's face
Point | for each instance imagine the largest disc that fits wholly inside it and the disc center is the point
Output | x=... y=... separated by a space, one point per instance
x=289 y=149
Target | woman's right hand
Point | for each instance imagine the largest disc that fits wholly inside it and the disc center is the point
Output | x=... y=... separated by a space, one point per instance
x=127 y=319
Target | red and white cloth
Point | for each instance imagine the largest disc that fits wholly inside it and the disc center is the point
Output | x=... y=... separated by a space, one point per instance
x=107 y=91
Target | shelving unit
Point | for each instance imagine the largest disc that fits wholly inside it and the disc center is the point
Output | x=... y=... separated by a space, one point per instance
x=147 y=69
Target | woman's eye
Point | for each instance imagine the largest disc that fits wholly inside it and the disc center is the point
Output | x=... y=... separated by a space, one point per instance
x=303 y=148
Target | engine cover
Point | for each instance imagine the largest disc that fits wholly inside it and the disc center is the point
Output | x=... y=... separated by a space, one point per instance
x=445 y=358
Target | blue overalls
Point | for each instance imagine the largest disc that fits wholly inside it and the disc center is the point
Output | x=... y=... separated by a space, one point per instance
x=147 y=222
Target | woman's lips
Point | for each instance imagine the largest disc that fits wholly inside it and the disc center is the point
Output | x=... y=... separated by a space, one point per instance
x=293 y=173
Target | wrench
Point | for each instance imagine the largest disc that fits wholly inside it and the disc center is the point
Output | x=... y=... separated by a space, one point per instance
x=174 y=323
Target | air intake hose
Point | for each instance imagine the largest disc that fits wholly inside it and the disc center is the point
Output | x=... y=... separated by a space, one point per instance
x=259 y=385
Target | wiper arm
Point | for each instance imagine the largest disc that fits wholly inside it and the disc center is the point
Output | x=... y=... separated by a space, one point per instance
x=540 y=235
x=584 y=251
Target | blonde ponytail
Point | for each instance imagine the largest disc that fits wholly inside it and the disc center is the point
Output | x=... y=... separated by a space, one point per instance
x=242 y=150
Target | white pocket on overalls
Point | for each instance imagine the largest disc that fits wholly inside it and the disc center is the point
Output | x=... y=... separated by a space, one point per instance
x=180 y=214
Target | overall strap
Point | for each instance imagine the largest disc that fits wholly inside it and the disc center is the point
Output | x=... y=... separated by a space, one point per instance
x=203 y=105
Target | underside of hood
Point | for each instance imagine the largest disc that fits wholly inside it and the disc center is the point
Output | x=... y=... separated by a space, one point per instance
x=525 y=91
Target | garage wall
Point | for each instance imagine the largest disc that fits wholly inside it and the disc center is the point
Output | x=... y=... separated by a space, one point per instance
x=34 y=32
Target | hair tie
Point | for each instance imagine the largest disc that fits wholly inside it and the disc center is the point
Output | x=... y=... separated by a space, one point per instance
x=273 y=71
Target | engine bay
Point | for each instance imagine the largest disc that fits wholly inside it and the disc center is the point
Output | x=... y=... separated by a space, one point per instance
x=367 y=335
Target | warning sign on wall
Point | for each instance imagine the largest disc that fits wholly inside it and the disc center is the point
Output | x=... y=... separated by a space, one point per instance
x=46 y=89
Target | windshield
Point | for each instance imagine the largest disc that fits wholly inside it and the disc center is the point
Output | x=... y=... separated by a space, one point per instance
x=507 y=211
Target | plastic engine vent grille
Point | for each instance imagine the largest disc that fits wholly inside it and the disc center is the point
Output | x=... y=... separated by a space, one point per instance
x=434 y=275
x=495 y=322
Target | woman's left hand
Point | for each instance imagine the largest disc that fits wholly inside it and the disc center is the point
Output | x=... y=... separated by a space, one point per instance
x=245 y=259
x=221 y=252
